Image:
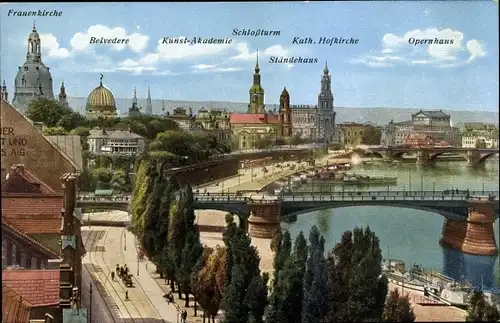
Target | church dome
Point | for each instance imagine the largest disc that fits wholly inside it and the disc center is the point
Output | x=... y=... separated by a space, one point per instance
x=101 y=102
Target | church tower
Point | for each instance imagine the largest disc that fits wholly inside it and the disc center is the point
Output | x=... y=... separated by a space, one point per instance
x=134 y=111
x=326 y=116
x=285 y=114
x=256 y=92
x=63 y=99
x=149 y=105
x=4 y=95
x=33 y=79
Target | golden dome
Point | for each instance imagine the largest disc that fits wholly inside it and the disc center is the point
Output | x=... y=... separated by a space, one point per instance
x=101 y=100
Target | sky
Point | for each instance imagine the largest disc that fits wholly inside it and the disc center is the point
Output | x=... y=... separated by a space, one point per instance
x=382 y=70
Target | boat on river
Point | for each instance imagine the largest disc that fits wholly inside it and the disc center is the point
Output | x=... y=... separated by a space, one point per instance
x=354 y=179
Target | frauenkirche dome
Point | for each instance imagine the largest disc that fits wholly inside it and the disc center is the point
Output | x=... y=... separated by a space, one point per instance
x=101 y=103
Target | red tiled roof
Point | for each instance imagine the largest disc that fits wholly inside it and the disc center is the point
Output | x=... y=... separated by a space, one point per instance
x=22 y=181
x=33 y=215
x=253 y=118
x=28 y=238
x=39 y=287
x=10 y=313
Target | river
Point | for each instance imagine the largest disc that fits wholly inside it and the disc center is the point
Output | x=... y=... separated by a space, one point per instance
x=407 y=234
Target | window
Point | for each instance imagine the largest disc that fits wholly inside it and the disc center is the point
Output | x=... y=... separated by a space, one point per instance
x=14 y=254
x=34 y=263
x=24 y=259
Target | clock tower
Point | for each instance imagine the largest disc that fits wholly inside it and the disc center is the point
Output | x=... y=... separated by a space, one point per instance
x=256 y=92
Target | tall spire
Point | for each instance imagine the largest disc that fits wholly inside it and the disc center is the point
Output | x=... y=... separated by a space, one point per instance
x=257 y=68
x=101 y=79
x=134 y=99
x=149 y=105
x=34 y=26
x=325 y=71
x=62 y=96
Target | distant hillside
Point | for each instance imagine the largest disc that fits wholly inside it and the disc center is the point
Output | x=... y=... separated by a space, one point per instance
x=344 y=114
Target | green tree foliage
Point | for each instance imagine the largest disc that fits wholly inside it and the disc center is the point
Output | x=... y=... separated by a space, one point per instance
x=83 y=132
x=264 y=142
x=176 y=234
x=191 y=147
x=371 y=136
x=481 y=144
x=480 y=310
x=139 y=193
x=149 y=236
x=72 y=121
x=103 y=177
x=282 y=254
x=285 y=301
x=55 y=131
x=237 y=302
x=398 y=308
x=161 y=238
x=47 y=111
x=190 y=255
x=356 y=289
x=296 y=140
x=119 y=180
x=314 y=304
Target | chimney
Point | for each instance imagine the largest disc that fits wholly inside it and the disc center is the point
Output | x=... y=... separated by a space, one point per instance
x=17 y=168
x=38 y=126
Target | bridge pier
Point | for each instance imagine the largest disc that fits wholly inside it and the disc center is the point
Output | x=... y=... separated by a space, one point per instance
x=423 y=158
x=475 y=235
x=264 y=220
x=473 y=159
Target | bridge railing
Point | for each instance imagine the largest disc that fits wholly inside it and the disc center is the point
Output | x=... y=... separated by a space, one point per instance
x=102 y=199
x=388 y=193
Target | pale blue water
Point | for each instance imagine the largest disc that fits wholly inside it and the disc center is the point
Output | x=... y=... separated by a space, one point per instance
x=413 y=235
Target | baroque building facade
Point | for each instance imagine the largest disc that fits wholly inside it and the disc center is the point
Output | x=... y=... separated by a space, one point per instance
x=33 y=79
x=249 y=128
x=479 y=135
x=434 y=124
x=316 y=122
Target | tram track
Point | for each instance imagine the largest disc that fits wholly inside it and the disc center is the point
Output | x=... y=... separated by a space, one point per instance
x=139 y=308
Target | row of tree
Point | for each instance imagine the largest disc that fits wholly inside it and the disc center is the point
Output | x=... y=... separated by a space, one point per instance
x=306 y=286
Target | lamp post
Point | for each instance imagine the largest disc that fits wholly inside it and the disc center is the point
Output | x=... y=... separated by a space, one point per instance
x=483 y=188
x=125 y=238
x=137 y=265
x=90 y=304
x=409 y=181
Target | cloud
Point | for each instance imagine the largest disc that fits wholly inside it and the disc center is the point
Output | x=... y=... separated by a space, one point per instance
x=440 y=48
x=81 y=41
x=50 y=47
x=475 y=49
x=204 y=68
x=246 y=55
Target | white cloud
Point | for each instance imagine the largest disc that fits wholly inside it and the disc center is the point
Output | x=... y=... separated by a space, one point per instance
x=204 y=68
x=423 y=47
x=246 y=55
x=50 y=47
x=137 y=42
x=475 y=49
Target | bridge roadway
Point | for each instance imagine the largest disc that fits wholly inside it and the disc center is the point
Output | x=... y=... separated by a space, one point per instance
x=451 y=204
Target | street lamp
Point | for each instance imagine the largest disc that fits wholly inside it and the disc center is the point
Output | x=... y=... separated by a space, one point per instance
x=137 y=265
x=483 y=188
x=125 y=238
x=90 y=304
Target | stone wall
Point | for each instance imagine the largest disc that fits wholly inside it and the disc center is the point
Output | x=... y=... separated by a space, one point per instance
x=23 y=144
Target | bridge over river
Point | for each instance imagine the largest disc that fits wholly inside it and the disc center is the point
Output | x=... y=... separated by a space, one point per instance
x=469 y=214
x=475 y=157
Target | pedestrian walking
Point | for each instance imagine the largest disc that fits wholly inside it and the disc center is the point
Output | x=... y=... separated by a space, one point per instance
x=184 y=315
x=117 y=270
x=113 y=276
x=126 y=295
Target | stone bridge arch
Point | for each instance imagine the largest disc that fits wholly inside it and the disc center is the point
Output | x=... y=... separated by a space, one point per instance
x=457 y=213
x=434 y=155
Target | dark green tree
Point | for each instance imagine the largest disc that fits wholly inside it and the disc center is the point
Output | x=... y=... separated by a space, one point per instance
x=282 y=254
x=480 y=310
x=151 y=224
x=300 y=252
x=256 y=298
x=371 y=136
x=314 y=303
x=191 y=253
x=176 y=238
x=72 y=121
x=398 y=308
x=47 y=111
x=244 y=269
x=55 y=131
x=161 y=237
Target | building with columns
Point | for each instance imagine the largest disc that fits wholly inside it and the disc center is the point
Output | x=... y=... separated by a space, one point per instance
x=316 y=122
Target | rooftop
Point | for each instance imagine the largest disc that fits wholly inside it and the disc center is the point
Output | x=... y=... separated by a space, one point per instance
x=8 y=227
x=432 y=114
x=71 y=145
x=113 y=134
x=33 y=215
x=19 y=180
x=39 y=287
